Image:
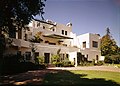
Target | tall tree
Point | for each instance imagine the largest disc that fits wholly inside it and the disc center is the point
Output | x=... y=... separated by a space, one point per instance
x=15 y=14
x=108 y=44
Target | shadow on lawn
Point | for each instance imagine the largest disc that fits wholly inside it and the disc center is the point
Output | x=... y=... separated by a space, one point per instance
x=54 y=78
x=66 y=78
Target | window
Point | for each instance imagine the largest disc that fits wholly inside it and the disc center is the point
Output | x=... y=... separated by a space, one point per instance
x=46 y=41
x=38 y=24
x=95 y=44
x=97 y=58
x=52 y=43
x=84 y=44
x=12 y=33
x=36 y=54
x=67 y=55
x=26 y=37
x=62 y=32
x=65 y=32
x=19 y=34
x=43 y=27
x=63 y=56
x=28 y=55
x=53 y=29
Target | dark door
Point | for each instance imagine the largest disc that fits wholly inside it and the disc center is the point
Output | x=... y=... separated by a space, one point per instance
x=79 y=57
x=36 y=54
x=36 y=59
x=47 y=57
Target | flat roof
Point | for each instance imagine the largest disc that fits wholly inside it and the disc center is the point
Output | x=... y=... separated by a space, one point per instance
x=43 y=21
x=57 y=36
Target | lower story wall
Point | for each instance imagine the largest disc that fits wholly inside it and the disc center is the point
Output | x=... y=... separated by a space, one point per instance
x=73 y=57
x=91 y=55
x=46 y=52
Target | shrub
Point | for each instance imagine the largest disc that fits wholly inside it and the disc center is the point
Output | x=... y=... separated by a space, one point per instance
x=112 y=59
x=55 y=58
x=67 y=63
x=58 y=64
x=40 y=59
x=99 y=63
x=11 y=65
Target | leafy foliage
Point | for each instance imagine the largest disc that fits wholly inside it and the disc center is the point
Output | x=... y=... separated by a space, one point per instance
x=112 y=59
x=17 y=13
x=108 y=45
x=109 y=49
x=41 y=59
x=36 y=39
x=55 y=58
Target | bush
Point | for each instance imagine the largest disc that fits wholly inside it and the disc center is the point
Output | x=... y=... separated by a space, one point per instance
x=40 y=59
x=11 y=65
x=58 y=64
x=67 y=63
x=87 y=63
x=100 y=63
x=112 y=59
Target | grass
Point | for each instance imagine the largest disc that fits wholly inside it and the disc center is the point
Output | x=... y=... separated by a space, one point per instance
x=83 y=78
x=115 y=65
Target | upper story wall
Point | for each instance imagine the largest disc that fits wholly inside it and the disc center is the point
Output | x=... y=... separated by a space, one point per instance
x=89 y=40
x=83 y=38
x=94 y=41
x=49 y=27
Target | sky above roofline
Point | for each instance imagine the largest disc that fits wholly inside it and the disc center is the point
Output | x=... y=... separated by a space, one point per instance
x=86 y=16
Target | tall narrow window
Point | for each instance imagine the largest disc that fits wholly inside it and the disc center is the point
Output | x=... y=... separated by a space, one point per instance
x=19 y=34
x=28 y=55
x=12 y=33
x=62 y=32
x=84 y=44
x=26 y=37
x=65 y=32
x=95 y=44
x=38 y=24
x=43 y=27
x=97 y=58
x=67 y=55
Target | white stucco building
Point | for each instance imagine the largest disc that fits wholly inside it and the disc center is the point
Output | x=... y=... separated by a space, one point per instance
x=55 y=38
x=89 y=45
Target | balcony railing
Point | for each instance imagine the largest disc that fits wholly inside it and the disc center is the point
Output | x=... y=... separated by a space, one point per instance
x=23 y=43
x=20 y=43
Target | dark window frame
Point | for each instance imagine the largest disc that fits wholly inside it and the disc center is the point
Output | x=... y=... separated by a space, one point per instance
x=62 y=32
x=95 y=44
x=84 y=44
x=65 y=32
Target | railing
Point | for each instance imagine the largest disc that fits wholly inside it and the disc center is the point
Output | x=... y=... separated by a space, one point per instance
x=63 y=48
x=20 y=43
x=23 y=43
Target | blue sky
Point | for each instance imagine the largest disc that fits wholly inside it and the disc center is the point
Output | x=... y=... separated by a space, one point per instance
x=92 y=16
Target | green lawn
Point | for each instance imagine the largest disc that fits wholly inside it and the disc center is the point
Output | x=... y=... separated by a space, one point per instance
x=83 y=78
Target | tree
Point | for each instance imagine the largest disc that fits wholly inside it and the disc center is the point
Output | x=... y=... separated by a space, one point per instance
x=109 y=49
x=108 y=44
x=15 y=14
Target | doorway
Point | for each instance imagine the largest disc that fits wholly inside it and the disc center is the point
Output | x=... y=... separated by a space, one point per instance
x=47 y=57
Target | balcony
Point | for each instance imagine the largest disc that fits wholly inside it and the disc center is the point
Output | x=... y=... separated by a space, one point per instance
x=51 y=34
x=20 y=43
x=56 y=36
x=56 y=47
x=46 y=46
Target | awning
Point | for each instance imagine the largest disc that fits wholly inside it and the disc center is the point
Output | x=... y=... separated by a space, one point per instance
x=57 y=36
